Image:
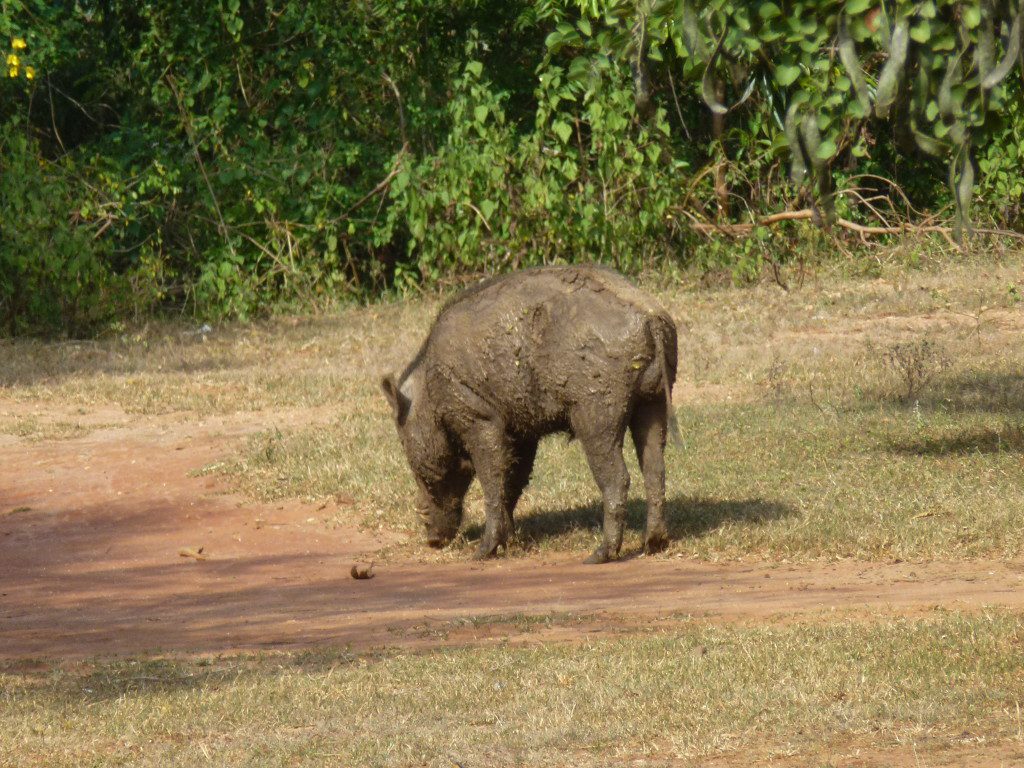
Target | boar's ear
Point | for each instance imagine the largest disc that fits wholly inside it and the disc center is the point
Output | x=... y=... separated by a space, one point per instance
x=399 y=402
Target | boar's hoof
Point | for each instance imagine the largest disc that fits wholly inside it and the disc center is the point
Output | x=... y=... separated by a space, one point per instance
x=656 y=542
x=599 y=555
x=486 y=550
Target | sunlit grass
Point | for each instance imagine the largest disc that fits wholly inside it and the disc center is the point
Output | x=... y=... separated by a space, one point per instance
x=691 y=692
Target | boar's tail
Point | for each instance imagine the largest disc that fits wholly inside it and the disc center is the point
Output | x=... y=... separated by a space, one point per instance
x=665 y=330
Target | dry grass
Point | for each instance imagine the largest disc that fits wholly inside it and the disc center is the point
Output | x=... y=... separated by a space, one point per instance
x=686 y=694
x=877 y=419
x=167 y=368
x=768 y=481
x=870 y=417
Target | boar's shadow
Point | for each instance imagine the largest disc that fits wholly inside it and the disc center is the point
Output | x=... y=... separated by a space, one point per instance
x=686 y=517
x=964 y=441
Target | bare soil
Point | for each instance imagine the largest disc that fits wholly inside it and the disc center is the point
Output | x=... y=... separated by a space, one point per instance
x=112 y=543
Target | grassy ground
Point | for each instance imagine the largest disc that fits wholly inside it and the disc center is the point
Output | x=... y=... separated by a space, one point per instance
x=690 y=693
x=874 y=416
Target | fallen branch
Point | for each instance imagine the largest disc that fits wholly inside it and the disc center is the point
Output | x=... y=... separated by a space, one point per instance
x=742 y=229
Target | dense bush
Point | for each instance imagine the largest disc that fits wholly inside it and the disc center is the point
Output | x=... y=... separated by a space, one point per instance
x=238 y=156
x=589 y=180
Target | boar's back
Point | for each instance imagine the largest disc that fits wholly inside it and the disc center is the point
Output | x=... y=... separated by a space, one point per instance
x=531 y=346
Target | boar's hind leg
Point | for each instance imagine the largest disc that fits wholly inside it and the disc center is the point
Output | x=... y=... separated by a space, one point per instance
x=603 y=448
x=493 y=456
x=648 y=426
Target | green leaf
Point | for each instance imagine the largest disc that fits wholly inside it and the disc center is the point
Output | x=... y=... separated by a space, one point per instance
x=768 y=11
x=786 y=74
x=921 y=32
x=971 y=16
x=585 y=27
x=566 y=30
x=563 y=129
x=480 y=113
x=553 y=41
x=475 y=68
x=826 y=150
x=944 y=42
x=854 y=7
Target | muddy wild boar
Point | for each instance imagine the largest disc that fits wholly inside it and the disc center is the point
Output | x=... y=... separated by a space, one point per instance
x=574 y=349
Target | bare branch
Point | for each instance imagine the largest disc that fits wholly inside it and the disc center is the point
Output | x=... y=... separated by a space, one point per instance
x=384 y=183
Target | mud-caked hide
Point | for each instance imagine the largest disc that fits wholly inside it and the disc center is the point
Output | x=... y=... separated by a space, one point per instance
x=554 y=349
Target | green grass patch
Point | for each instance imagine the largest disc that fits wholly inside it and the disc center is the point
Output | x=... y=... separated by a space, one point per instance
x=31 y=427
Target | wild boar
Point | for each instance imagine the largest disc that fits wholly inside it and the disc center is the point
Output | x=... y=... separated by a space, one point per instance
x=574 y=349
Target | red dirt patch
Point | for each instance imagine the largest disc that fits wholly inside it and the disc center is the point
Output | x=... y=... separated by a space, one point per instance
x=91 y=530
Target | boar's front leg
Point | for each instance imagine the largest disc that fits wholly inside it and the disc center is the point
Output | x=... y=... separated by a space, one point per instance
x=493 y=458
x=519 y=477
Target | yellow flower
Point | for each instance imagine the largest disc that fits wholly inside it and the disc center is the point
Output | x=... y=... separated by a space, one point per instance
x=12 y=60
x=18 y=44
x=30 y=72
x=12 y=72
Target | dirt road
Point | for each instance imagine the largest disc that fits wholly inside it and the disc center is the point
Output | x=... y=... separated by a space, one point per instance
x=92 y=531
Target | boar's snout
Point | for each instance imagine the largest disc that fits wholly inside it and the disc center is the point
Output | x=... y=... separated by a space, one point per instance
x=440 y=503
x=437 y=542
x=441 y=526
x=440 y=522
x=438 y=537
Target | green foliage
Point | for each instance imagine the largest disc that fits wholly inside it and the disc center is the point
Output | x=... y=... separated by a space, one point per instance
x=591 y=181
x=52 y=277
x=236 y=157
x=824 y=70
x=234 y=151
x=1000 y=190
